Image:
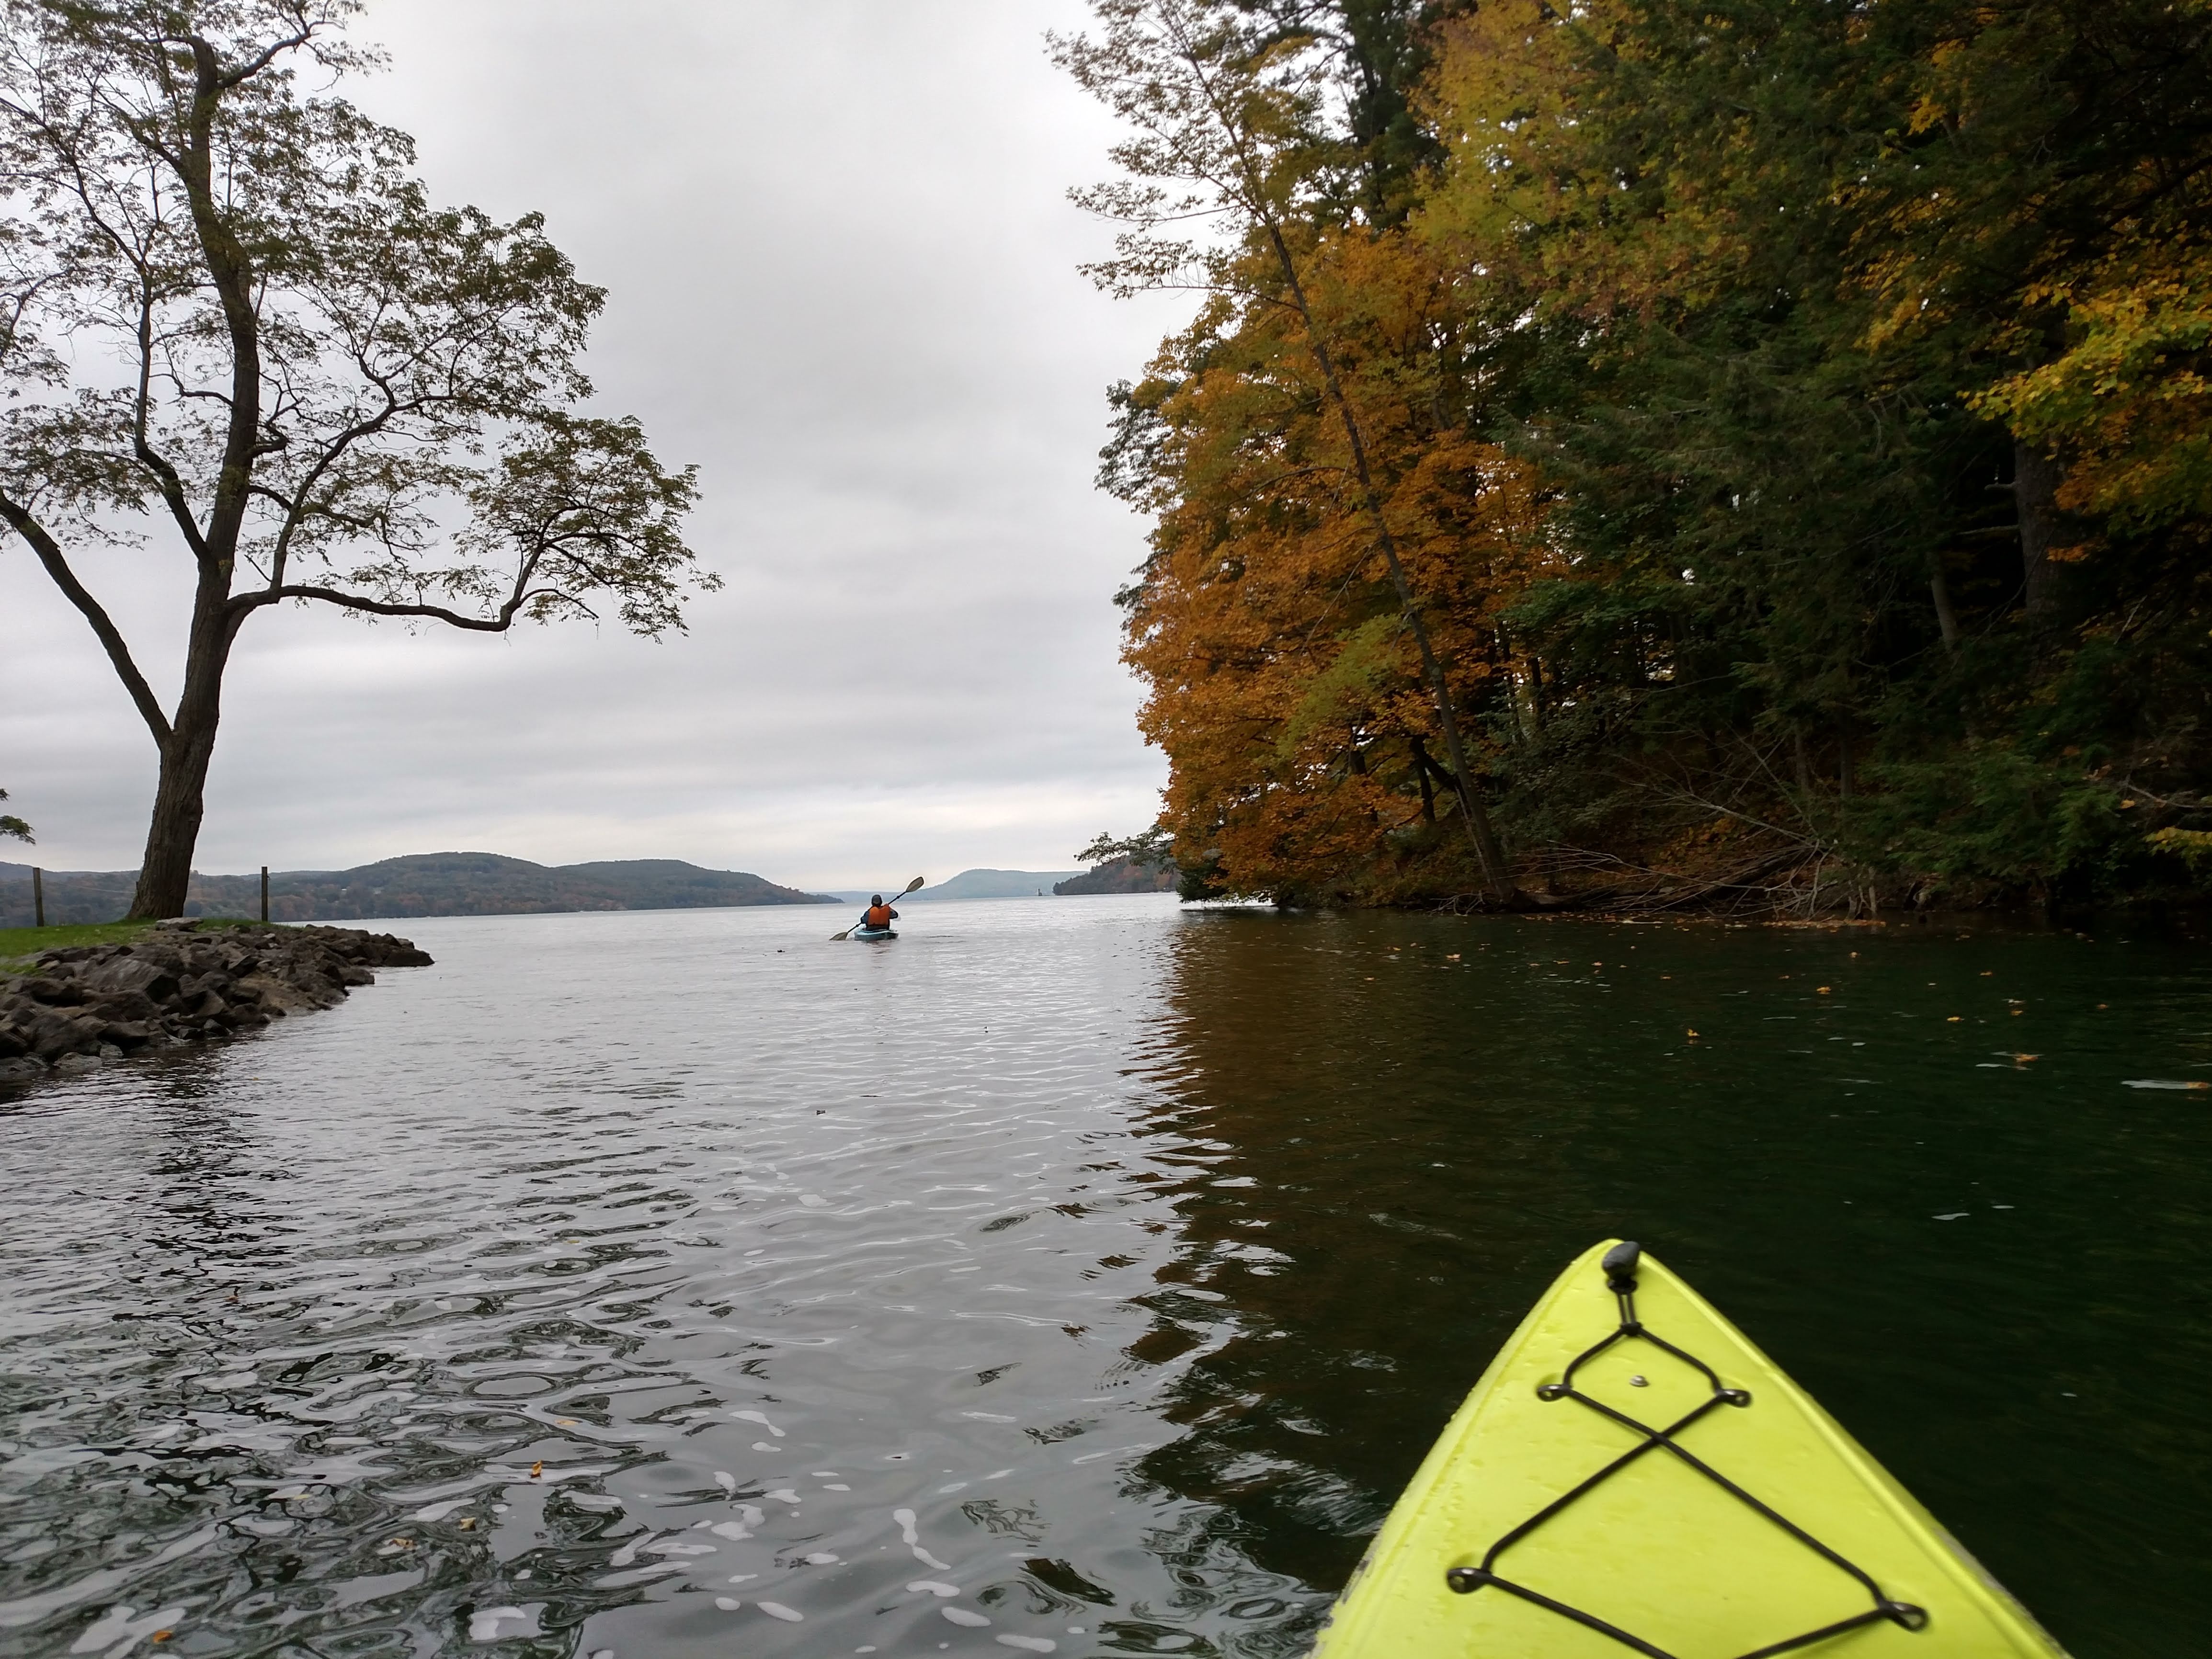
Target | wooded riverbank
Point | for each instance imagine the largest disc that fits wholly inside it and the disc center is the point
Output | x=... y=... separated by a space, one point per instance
x=1647 y=456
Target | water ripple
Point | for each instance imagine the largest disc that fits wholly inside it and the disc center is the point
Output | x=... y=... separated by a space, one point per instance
x=641 y=1284
x=1080 y=1277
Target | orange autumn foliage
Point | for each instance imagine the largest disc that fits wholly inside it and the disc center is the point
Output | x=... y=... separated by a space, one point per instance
x=1283 y=686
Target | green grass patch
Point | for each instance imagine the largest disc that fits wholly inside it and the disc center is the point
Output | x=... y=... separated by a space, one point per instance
x=19 y=945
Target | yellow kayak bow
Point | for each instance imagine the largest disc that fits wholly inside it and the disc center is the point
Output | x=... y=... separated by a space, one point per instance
x=1632 y=1475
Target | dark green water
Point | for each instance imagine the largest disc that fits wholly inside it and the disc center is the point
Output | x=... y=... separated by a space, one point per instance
x=1080 y=1277
x=1429 y=1140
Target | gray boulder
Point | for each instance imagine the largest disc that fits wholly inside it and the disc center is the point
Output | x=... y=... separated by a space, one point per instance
x=84 y=1005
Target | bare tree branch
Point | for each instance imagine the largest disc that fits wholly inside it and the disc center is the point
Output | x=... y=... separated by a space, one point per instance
x=111 y=637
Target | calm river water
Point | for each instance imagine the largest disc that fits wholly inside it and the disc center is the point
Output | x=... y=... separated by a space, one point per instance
x=1079 y=1277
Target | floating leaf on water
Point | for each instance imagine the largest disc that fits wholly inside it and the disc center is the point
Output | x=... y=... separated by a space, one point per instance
x=931 y=1587
x=965 y=1616
x=2162 y=1083
x=777 y=1610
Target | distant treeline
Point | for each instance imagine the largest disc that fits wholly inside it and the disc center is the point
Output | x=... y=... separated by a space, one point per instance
x=1122 y=875
x=426 y=884
x=1779 y=435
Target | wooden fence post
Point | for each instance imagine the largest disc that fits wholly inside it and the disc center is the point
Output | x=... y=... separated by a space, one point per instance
x=37 y=896
x=264 y=893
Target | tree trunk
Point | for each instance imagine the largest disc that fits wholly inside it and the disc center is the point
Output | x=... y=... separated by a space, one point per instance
x=1939 y=588
x=165 y=874
x=1421 y=771
x=2035 y=489
x=1487 y=851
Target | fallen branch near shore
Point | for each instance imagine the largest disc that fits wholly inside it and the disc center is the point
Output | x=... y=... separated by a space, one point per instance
x=83 y=1006
x=1769 y=884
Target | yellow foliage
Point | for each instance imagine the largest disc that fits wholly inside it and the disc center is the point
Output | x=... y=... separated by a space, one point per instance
x=2128 y=401
x=2192 y=846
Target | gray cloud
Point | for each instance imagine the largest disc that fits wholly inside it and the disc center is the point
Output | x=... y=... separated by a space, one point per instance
x=840 y=267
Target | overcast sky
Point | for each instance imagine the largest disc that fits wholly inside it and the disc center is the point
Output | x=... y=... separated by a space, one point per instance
x=841 y=264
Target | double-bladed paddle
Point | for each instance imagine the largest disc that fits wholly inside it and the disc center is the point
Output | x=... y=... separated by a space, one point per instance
x=836 y=939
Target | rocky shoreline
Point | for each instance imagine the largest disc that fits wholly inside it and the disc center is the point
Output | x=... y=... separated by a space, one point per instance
x=83 y=1006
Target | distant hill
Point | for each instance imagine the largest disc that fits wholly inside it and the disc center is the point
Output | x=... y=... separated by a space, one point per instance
x=996 y=884
x=422 y=884
x=1121 y=876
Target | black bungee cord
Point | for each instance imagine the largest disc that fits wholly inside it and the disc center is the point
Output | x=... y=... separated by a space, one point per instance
x=1621 y=1264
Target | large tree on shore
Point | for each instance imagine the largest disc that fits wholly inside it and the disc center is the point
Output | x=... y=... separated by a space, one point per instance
x=1241 y=183
x=228 y=309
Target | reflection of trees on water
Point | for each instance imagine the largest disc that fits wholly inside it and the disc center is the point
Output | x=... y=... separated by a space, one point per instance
x=1370 y=1210
x=179 y=1204
x=266 y=1365
x=1388 y=1160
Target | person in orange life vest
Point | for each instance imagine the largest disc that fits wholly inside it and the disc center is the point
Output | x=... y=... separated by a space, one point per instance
x=879 y=915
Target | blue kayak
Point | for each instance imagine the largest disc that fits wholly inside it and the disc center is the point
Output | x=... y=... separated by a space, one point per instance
x=867 y=932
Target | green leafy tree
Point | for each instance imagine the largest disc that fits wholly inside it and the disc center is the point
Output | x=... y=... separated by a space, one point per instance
x=1153 y=848
x=331 y=391
x=13 y=828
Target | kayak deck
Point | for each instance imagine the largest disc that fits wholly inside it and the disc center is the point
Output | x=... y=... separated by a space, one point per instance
x=1632 y=1475
x=872 y=933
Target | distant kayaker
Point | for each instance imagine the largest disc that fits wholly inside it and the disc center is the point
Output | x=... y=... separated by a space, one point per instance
x=879 y=915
